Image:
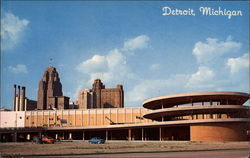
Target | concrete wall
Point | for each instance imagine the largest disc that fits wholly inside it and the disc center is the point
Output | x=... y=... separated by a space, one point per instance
x=12 y=119
x=219 y=132
x=74 y=118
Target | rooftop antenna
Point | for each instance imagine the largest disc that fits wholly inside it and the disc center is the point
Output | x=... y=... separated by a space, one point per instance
x=50 y=61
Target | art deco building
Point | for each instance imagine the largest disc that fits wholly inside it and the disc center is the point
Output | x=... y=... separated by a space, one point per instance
x=101 y=97
x=50 y=95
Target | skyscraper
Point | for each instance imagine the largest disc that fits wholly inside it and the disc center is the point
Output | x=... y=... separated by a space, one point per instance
x=49 y=87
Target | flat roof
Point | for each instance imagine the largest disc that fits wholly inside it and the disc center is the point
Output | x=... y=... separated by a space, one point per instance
x=185 y=98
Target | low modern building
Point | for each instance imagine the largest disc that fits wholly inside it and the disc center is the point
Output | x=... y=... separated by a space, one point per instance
x=206 y=116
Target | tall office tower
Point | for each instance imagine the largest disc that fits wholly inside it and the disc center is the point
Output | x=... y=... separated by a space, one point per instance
x=49 y=86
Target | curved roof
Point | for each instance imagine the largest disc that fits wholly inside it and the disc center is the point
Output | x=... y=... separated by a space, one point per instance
x=182 y=111
x=234 y=98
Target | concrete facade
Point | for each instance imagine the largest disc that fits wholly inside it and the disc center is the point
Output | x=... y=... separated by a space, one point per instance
x=9 y=119
x=205 y=110
x=77 y=117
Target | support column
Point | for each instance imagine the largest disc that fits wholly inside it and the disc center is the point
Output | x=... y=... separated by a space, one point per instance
x=28 y=137
x=40 y=134
x=70 y=136
x=142 y=134
x=14 y=138
x=107 y=135
x=160 y=136
x=129 y=134
x=83 y=135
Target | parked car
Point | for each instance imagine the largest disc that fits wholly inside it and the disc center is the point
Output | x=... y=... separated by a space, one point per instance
x=97 y=140
x=48 y=140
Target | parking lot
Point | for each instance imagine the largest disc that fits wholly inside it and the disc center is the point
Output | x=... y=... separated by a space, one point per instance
x=84 y=147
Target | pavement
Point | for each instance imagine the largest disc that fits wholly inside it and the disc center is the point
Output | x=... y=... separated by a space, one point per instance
x=142 y=148
x=240 y=153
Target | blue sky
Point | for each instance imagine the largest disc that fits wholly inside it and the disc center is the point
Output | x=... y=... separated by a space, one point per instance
x=128 y=43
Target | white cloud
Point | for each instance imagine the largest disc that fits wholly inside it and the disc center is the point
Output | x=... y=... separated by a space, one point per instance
x=111 y=68
x=12 y=28
x=96 y=64
x=148 y=88
x=139 y=42
x=203 y=78
x=236 y=64
x=211 y=74
x=212 y=50
x=115 y=58
x=154 y=67
x=18 y=69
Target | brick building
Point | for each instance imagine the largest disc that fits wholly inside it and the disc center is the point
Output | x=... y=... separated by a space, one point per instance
x=50 y=95
x=101 y=97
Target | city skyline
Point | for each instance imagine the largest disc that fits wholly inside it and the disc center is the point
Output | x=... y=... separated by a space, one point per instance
x=132 y=45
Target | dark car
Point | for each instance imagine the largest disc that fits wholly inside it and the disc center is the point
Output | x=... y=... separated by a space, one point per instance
x=97 y=140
